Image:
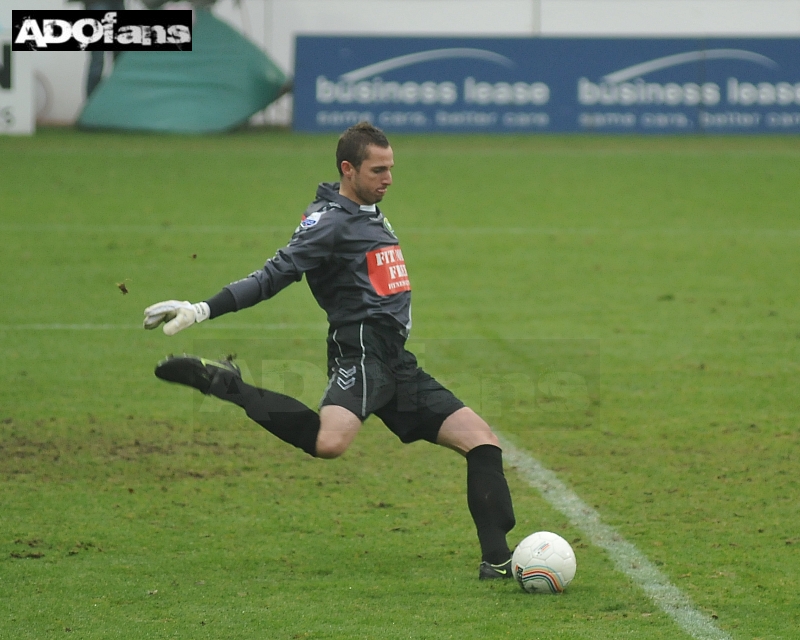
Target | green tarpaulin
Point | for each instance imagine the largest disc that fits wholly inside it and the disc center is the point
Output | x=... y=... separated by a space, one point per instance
x=217 y=86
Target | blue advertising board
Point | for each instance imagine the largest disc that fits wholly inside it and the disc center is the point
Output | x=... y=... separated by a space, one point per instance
x=513 y=85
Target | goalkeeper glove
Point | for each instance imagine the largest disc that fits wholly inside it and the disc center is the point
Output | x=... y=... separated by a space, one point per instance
x=177 y=315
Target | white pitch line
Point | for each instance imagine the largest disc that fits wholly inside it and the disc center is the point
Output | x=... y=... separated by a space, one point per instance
x=138 y=327
x=626 y=557
x=34 y=229
x=57 y=326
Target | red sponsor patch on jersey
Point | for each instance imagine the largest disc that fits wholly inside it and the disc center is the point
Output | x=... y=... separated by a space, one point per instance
x=387 y=271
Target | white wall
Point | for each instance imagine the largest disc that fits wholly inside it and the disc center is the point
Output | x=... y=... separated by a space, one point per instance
x=671 y=17
x=273 y=25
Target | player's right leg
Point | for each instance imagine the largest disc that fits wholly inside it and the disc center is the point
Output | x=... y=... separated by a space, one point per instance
x=324 y=435
x=358 y=381
x=337 y=430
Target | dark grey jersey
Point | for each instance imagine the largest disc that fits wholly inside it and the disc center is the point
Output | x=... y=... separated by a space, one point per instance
x=351 y=259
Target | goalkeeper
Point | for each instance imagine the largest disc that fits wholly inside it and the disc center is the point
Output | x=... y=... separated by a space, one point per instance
x=354 y=266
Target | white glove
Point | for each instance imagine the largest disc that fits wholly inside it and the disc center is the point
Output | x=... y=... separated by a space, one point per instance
x=177 y=315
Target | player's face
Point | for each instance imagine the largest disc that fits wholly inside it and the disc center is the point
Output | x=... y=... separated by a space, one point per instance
x=368 y=183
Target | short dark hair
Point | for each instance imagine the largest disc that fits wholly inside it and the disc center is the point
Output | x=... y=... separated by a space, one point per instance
x=354 y=141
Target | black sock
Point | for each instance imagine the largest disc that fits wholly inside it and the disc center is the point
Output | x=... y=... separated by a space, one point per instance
x=489 y=502
x=287 y=418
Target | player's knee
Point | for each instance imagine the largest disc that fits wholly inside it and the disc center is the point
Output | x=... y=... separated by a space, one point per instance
x=481 y=436
x=330 y=447
x=338 y=427
x=488 y=437
x=328 y=452
x=464 y=430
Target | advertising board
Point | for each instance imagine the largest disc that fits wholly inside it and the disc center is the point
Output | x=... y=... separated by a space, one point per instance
x=514 y=85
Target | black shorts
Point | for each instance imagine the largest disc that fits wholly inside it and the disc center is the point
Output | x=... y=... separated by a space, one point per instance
x=370 y=371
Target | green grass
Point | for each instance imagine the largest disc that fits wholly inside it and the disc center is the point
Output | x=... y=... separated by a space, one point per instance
x=661 y=273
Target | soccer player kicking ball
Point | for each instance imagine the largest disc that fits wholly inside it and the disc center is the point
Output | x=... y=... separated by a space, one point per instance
x=354 y=266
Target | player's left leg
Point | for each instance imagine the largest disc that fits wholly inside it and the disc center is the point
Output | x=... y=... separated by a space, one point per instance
x=423 y=409
x=464 y=430
x=488 y=496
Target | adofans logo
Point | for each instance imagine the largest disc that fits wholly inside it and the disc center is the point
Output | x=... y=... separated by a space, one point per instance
x=101 y=30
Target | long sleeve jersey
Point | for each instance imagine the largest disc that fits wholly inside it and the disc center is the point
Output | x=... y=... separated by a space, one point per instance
x=351 y=259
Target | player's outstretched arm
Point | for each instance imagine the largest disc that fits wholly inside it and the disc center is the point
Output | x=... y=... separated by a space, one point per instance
x=307 y=249
x=175 y=315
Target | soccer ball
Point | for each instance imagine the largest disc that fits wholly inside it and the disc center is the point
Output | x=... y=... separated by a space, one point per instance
x=543 y=563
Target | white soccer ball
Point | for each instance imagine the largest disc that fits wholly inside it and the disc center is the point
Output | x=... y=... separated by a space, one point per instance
x=543 y=563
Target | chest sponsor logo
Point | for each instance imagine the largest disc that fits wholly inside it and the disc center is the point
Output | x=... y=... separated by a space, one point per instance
x=387 y=271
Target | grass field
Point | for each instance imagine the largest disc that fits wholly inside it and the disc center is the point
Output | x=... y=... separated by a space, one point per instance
x=624 y=310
